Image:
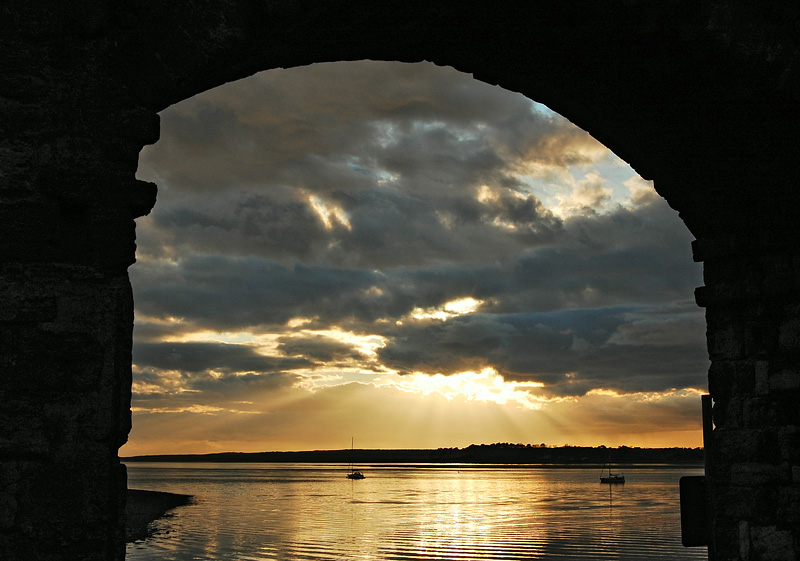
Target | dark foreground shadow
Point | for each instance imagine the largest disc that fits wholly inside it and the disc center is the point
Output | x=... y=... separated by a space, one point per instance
x=145 y=506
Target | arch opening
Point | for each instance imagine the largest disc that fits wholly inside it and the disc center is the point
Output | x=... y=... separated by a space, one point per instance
x=401 y=238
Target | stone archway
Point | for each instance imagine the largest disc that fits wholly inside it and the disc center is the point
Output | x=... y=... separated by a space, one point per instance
x=701 y=97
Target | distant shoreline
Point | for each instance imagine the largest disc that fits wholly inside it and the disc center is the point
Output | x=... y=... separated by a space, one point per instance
x=564 y=456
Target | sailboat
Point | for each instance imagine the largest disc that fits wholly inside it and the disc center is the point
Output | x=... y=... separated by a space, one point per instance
x=611 y=477
x=354 y=474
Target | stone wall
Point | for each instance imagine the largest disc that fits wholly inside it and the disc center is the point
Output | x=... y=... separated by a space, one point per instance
x=69 y=145
x=752 y=312
x=701 y=96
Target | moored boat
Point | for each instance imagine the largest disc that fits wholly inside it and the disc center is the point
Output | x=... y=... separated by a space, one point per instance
x=354 y=473
x=612 y=478
x=609 y=477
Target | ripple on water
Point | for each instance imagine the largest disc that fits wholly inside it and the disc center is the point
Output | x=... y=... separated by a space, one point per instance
x=480 y=515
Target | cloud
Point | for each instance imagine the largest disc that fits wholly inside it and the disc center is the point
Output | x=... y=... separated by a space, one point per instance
x=229 y=293
x=570 y=352
x=319 y=348
x=337 y=210
x=625 y=257
x=199 y=357
x=406 y=168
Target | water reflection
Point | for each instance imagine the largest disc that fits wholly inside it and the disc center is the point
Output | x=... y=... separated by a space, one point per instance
x=288 y=512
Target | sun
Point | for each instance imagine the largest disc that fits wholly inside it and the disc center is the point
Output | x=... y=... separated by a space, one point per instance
x=485 y=386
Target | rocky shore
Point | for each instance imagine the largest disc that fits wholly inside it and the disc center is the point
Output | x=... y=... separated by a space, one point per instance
x=144 y=507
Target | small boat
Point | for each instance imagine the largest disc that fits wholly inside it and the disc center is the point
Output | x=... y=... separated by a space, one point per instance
x=611 y=477
x=354 y=473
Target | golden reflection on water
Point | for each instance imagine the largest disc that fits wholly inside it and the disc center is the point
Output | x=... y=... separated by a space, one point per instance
x=312 y=512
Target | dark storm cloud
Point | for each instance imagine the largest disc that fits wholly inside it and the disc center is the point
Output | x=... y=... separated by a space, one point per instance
x=627 y=257
x=570 y=352
x=388 y=226
x=254 y=224
x=318 y=348
x=199 y=357
x=148 y=331
x=242 y=387
x=404 y=163
x=522 y=344
x=240 y=392
x=293 y=127
x=391 y=229
x=234 y=293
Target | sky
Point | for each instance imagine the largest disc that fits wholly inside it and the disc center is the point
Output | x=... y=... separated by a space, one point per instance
x=403 y=255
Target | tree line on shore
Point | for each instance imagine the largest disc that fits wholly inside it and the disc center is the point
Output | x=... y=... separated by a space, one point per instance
x=497 y=453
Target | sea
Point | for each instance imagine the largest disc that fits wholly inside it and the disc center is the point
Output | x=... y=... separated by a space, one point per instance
x=451 y=512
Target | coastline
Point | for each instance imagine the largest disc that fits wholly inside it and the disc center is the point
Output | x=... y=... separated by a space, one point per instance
x=492 y=454
x=143 y=507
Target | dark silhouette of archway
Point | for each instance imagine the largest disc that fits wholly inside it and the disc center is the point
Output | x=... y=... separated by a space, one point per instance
x=702 y=97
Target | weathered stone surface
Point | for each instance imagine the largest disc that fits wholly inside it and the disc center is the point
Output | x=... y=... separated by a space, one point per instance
x=761 y=377
x=726 y=341
x=9 y=476
x=789 y=333
x=747 y=446
x=769 y=542
x=789 y=445
x=744 y=474
x=726 y=378
x=702 y=96
x=789 y=504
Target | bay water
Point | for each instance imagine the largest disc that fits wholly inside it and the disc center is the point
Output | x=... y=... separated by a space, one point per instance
x=255 y=512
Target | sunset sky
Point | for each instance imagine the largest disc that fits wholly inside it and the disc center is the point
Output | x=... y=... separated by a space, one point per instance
x=401 y=254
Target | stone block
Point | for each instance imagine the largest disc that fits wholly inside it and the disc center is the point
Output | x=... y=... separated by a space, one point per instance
x=731 y=377
x=789 y=446
x=785 y=379
x=759 y=413
x=761 y=385
x=768 y=542
x=735 y=446
x=720 y=379
x=725 y=342
x=761 y=338
x=9 y=475
x=786 y=407
x=735 y=502
x=702 y=296
x=698 y=253
x=789 y=505
x=744 y=539
x=727 y=413
x=789 y=336
x=756 y=502
x=759 y=474
x=726 y=540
